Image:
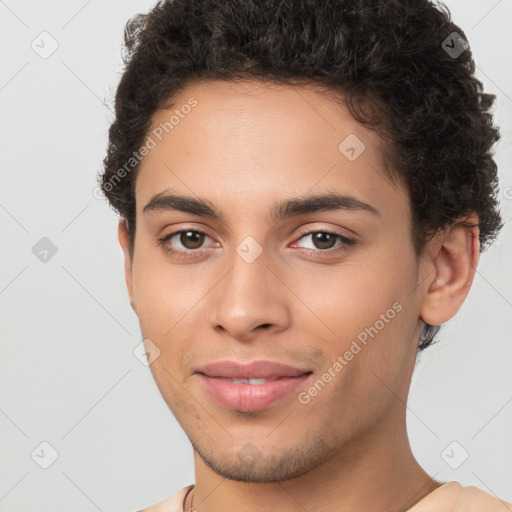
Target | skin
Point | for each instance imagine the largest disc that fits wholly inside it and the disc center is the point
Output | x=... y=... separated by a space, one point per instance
x=244 y=147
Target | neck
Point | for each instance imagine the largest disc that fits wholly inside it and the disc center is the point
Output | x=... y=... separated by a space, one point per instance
x=376 y=472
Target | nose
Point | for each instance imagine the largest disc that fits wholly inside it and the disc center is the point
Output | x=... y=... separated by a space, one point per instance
x=251 y=298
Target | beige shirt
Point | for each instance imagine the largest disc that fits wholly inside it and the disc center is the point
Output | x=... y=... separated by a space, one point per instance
x=450 y=497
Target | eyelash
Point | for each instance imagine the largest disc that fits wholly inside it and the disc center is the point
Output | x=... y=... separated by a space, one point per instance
x=346 y=242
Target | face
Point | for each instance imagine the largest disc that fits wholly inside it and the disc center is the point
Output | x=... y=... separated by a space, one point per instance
x=332 y=291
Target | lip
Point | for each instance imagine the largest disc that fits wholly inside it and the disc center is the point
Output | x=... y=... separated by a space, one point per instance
x=252 y=370
x=251 y=397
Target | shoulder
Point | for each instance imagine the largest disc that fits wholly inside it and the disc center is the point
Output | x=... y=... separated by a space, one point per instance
x=172 y=504
x=452 y=497
x=471 y=498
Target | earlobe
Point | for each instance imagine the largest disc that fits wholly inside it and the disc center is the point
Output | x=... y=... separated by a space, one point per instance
x=454 y=259
x=123 y=236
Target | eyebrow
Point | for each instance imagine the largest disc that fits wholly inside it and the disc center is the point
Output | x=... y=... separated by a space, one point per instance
x=167 y=201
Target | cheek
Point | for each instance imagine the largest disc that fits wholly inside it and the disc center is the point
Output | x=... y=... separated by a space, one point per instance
x=170 y=309
x=352 y=296
x=163 y=293
x=367 y=312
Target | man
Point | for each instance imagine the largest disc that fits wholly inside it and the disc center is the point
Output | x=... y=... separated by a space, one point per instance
x=304 y=190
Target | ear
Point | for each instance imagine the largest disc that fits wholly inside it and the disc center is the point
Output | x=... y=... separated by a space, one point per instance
x=451 y=266
x=123 y=236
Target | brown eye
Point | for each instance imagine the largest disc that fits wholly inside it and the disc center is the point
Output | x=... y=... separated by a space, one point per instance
x=191 y=239
x=323 y=240
x=184 y=242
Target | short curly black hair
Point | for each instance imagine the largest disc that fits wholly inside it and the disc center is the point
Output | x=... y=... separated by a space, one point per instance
x=402 y=67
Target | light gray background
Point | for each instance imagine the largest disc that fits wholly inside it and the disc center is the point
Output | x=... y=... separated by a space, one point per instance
x=67 y=372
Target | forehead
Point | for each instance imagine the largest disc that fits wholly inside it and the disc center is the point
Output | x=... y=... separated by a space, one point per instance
x=252 y=140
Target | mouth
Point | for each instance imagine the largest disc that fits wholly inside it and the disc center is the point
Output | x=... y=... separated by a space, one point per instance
x=253 y=382
x=254 y=394
x=256 y=369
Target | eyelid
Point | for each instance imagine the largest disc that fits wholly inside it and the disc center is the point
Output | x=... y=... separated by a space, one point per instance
x=303 y=232
x=346 y=241
x=322 y=229
x=172 y=234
